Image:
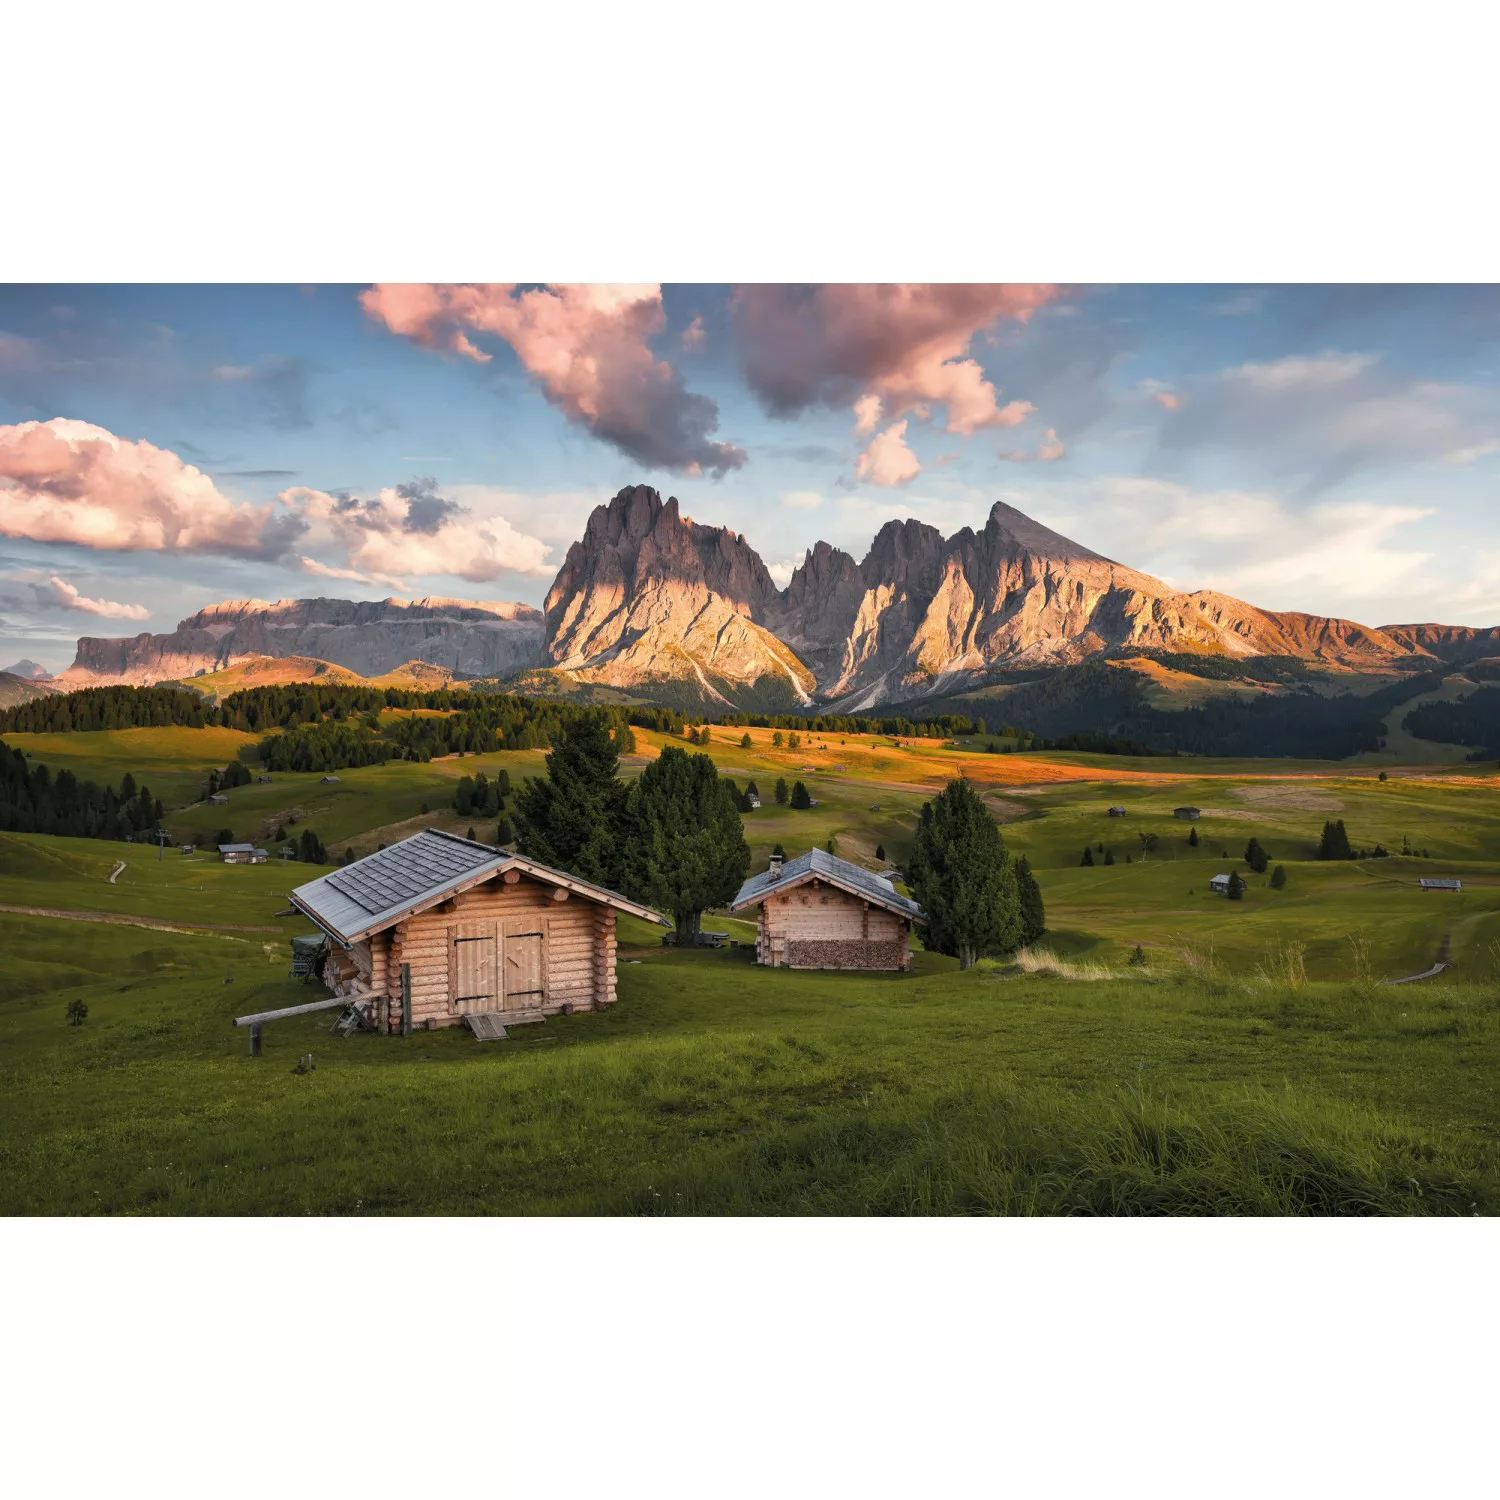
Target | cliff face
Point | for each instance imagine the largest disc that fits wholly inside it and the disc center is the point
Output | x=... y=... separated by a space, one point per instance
x=471 y=638
x=648 y=596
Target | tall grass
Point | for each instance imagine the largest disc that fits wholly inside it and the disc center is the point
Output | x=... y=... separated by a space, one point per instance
x=1044 y=963
x=1050 y=1152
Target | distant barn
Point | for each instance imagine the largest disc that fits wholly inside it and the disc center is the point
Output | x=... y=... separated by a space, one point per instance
x=821 y=912
x=327 y=779
x=1117 y=812
x=479 y=932
x=1188 y=814
x=1219 y=883
x=242 y=854
x=1433 y=883
x=218 y=799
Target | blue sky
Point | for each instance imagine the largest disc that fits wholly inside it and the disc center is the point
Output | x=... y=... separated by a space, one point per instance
x=1331 y=449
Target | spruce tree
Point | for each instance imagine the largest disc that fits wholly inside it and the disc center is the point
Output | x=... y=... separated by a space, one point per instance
x=1088 y=856
x=801 y=798
x=1256 y=857
x=1278 y=877
x=962 y=877
x=880 y=852
x=1334 y=843
x=684 y=848
x=781 y=791
x=1109 y=856
x=1033 y=912
x=1236 y=890
x=1193 y=837
x=574 y=816
x=745 y=742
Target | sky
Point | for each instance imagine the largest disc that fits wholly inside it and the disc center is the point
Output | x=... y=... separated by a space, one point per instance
x=1333 y=449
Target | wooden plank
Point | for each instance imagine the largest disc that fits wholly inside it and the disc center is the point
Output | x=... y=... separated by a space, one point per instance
x=294 y=1010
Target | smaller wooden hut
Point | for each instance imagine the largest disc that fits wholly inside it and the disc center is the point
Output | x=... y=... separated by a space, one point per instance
x=1187 y=814
x=477 y=930
x=821 y=912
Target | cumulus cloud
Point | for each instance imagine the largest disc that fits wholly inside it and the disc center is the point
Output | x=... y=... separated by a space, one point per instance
x=68 y=481
x=887 y=459
x=587 y=347
x=1049 y=450
x=1330 y=415
x=694 y=334
x=888 y=350
x=408 y=530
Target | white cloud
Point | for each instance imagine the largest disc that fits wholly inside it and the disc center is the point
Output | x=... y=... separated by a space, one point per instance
x=801 y=499
x=62 y=594
x=887 y=459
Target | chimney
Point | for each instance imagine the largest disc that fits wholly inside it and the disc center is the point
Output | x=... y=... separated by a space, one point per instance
x=775 y=868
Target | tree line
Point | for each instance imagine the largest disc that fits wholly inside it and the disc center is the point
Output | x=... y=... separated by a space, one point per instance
x=35 y=800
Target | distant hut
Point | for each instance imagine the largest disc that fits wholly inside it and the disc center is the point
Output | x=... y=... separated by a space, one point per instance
x=1187 y=814
x=1219 y=884
x=1433 y=883
x=479 y=932
x=821 y=912
x=752 y=801
x=242 y=854
x=327 y=779
x=1117 y=811
x=218 y=800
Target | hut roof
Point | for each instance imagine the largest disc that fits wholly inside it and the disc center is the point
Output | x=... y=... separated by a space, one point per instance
x=379 y=890
x=818 y=864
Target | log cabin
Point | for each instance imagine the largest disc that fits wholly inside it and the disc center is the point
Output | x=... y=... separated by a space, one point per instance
x=479 y=931
x=821 y=912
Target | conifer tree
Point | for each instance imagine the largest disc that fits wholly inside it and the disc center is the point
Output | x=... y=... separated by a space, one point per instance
x=1236 y=888
x=1334 y=843
x=684 y=849
x=1278 y=877
x=1033 y=912
x=1088 y=856
x=745 y=741
x=880 y=852
x=1193 y=837
x=1256 y=857
x=801 y=798
x=1109 y=856
x=781 y=791
x=962 y=877
x=573 y=817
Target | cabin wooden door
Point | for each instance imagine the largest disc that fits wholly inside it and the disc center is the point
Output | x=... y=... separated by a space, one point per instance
x=525 y=964
x=476 y=968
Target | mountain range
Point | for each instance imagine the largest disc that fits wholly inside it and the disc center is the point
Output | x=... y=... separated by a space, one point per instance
x=652 y=603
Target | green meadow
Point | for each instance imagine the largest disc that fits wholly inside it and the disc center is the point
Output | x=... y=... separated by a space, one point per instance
x=1253 y=1062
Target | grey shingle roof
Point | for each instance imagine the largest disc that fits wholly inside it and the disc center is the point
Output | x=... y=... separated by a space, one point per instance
x=381 y=888
x=819 y=863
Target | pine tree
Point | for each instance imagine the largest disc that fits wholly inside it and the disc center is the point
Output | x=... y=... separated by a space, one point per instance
x=1334 y=843
x=801 y=799
x=504 y=833
x=472 y=834
x=779 y=852
x=1278 y=877
x=1236 y=889
x=1256 y=857
x=1109 y=856
x=781 y=791
x=832 y=846
x=684 y=848
x=880 y=852
x=503 y=782
x=778 y=739
x=745 y=742
x=1137 y=957
x=1033 y=911
x=1088 y=856
x=1193 y=837
x=624 y=740
x=962 y=877
x=574 y=816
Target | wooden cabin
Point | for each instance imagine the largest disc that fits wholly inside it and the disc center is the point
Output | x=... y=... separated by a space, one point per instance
x=241 y=854
x=821 y=912
x=1437 y=883
x=478 y=931
x=1187 y=814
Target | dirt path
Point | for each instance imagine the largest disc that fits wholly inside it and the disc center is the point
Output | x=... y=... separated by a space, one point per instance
x=114 y=874
x=118 y=919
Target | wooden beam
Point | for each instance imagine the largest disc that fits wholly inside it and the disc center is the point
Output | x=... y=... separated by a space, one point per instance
x=559 y=893
x=293 y=1010
x=512 y=877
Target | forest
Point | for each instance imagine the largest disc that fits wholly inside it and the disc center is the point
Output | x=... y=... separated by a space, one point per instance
x=33 y=800
x=1471 y=720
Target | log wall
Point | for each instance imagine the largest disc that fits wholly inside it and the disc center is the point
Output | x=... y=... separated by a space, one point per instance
x=818 y=926
x=578 y=963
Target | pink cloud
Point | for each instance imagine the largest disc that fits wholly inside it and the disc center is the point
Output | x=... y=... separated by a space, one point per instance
x=587 y=346
x=1169 y=399
x=63 y=595
x=902 y=343
x=887 y=459
x=67 y=481
x=1049 y=450
x=694 y=334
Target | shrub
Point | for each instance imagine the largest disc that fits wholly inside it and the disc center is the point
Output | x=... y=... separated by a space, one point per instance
x=1138 y=956
x=77 y=1012
x=1278 y=877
